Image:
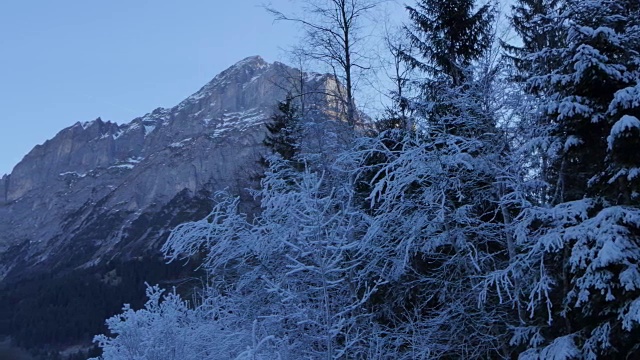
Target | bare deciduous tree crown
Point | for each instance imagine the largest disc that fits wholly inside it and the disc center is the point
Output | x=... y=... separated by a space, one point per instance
x=334 y=36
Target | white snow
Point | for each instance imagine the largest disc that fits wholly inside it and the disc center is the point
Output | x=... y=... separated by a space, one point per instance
x=632 y=315
x=86 y=124
x=159 y=113
x=129 y=163
x=122 y=166
x=626 y=122
x=73 y=173
x=239 y=121
x=570 y=107
x=630 y=278
x=197 y=96
x=260 y=64
x=180 y=144
x=127 y=128
x=626 y=98
x=311 y=77
x=148 y=129
x=134 y=160
x=571 y=142
x=588 y=57
x=562 y=348
x=218 y=132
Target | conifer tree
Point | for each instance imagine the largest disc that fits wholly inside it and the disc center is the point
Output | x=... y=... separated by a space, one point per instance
x=578 y=252
x=591 y=89
x=541 y=36
x=433 y=195
x=284 y=130
x=449 y=36
x=533 y=22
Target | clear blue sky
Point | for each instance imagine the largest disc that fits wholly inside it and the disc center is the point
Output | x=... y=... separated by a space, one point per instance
x=63 y=61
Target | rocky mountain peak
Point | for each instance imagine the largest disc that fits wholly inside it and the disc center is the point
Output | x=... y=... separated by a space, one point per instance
x=241 y=96
x=92 y=192
x=249 y=63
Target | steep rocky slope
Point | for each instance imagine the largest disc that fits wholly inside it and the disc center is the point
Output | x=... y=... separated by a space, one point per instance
x=99 y=191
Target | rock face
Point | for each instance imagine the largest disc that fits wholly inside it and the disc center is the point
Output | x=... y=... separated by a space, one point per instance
x=4 y=183
x=100 y=190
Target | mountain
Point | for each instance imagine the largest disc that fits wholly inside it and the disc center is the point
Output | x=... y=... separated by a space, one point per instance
x=82 y=216
x=100 y=191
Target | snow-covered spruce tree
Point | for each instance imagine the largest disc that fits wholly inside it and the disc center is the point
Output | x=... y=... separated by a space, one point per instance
x=534 y=23
x=438 y=227
x=448 y=38
x=432 y=246
x=578 y=249
x=590 y=90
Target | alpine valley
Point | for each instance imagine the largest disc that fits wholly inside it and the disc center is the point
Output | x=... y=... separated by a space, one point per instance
x=83 y=215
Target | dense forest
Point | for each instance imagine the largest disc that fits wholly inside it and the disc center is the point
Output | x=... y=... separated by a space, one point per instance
x=60 y=310
x=493 y=212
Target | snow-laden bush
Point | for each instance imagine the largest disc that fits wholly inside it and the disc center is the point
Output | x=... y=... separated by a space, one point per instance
x=169 y=328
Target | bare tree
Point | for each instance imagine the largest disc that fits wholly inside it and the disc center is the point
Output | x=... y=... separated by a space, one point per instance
x=295 y=81
x=334 y=36
x=398 y=73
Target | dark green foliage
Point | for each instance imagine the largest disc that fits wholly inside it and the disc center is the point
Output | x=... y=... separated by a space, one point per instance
x=53 y=311
x=9 y=352
x=452 y=42
x=393 y=121
x=449 y=40
x=535 y=24
x=601 y=60
x=391 y=131
x=47 y=312
x=284 y=130
x=449 y=36
x=581 y=62
x=591 y=87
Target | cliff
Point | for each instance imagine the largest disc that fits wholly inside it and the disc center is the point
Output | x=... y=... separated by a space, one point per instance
x=99 y=190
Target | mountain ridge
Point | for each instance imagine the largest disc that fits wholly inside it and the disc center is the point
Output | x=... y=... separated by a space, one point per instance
x=98 y=172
